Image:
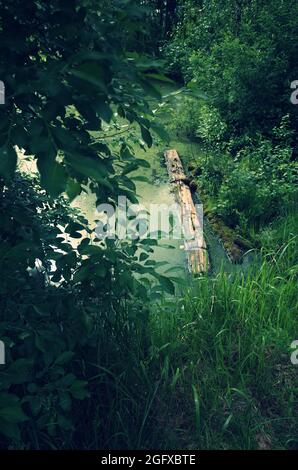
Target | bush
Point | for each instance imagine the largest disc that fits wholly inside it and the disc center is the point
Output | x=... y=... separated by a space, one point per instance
x=213 y=171
x=196 y=120
x=65 y=313
x=261 y=185
x=210 y=127
x=185 y=117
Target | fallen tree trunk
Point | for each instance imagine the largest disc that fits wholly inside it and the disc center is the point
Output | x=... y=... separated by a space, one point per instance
x=194 y=242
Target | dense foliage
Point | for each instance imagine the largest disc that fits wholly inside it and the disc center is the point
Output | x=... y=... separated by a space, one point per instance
x=66 y=87
x=242 y=55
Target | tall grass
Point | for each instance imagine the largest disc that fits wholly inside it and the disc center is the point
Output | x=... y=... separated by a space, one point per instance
x=229 y=337
x=208 y=370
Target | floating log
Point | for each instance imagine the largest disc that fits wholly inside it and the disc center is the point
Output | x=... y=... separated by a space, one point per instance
x=194 y=243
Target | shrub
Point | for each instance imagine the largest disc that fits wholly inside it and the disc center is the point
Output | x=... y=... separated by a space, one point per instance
x=210 y=127
x=65 y=312
x=261 y=184
x=185 y=117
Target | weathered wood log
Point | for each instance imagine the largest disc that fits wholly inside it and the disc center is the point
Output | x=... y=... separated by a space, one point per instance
x=194 y=243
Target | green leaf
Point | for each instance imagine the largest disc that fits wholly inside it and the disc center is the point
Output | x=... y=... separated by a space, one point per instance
x=129 y=168
x=100 y=270
x=8 y=161
x=35 y=404
x=67 y=380
x=150 y=89
x=65 y=357
x=92 y=73
x=13 y=414
x=65 y=423
x=93 y=168
x=160 y=131
x=9 y=429
x=146 y=136
x=103 y=109
x=193 y=88
x=73 y=189
x=53 y=176
x=78 y=389
x=143 y=163
x=143 y=256
x=167 y=284
x=65 y=401
x=140 y=178
x=73 y=229
x=8 y=399
x=19 y=371
x=92 y=250
x=82 y=273
x=83 y=245
x=149 y=242
x=159 y=77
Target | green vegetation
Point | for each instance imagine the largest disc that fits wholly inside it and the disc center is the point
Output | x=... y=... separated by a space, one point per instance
x=223 y=359
x=102 y=352
x=247 y=123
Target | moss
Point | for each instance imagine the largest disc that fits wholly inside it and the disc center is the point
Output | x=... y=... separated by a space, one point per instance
x=244 y=243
